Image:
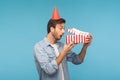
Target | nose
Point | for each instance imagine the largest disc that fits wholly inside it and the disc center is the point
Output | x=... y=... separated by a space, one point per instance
x=63 y=31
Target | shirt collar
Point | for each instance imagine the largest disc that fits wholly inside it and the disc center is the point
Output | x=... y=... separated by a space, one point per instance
x=48 y=44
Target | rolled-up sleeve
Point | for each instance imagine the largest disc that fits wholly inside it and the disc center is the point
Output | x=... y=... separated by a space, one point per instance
x=49 y=66
x=74 y=58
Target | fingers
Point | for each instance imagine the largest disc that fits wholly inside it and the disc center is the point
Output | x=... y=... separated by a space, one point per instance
x=71 y=45
x=89 y=38
x=68 y=47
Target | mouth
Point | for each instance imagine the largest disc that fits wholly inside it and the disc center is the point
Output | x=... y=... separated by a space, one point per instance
x=60 y=36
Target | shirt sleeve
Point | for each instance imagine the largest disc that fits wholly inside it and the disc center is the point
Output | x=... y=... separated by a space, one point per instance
x=50 y=67
x=74 y=58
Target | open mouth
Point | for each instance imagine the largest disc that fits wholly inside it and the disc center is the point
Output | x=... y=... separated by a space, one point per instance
x=60 y=35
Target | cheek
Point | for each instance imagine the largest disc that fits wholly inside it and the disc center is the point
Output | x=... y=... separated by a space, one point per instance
x=55 y=33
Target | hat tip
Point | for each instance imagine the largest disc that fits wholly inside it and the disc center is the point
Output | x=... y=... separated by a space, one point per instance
x=55 y=15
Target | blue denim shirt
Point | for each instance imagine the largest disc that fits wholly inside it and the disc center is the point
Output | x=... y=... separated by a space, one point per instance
x=46 y=64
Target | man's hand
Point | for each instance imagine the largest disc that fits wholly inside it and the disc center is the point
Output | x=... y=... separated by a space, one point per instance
x=68 y=47
x=83 y=51
x=89 y=41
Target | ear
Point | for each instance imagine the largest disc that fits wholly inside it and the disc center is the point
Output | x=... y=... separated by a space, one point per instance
x=52 y=29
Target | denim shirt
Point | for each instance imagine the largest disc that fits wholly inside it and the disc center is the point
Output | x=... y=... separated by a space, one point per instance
x=45 y=60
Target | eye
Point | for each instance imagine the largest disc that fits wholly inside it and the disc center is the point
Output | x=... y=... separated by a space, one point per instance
x=60 y=28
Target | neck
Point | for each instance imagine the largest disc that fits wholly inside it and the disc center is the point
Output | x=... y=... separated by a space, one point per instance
x=51 y=38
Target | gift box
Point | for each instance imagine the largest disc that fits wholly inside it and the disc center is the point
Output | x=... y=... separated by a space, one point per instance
x=77 y=36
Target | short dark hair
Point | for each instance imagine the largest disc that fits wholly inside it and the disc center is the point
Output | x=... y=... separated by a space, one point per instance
x=52 y=23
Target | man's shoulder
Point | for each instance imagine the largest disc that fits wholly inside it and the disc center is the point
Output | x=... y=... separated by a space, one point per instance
x=40 y=43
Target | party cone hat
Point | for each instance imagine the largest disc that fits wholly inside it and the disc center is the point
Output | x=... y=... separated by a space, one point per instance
x=55 y=15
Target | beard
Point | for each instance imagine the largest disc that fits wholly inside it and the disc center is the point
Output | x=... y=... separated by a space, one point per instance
x=56 y=36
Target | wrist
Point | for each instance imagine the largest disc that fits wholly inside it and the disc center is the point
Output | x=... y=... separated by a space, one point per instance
x=63 y=52
x=85 y=46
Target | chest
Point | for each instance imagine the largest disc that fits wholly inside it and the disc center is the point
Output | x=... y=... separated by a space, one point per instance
x=51 y=53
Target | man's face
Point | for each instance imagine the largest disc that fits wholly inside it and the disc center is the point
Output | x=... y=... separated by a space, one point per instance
x=58 y=31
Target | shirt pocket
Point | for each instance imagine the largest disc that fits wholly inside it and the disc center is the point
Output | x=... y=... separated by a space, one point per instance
x=51 y=56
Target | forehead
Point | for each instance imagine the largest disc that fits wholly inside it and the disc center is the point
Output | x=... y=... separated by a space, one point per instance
x=60 y=25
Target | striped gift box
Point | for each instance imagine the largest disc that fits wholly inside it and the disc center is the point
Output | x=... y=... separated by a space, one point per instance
x=77 y=36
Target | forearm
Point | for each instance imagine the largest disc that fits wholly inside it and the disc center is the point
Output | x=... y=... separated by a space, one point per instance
x=66 y=49
x=84 y=49
x=83 y=53
x=60 y=57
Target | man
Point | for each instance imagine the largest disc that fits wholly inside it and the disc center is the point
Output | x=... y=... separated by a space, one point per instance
x=51 y=56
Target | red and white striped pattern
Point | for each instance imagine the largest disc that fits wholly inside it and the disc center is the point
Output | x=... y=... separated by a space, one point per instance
x=76 y=31
x=78 y=37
